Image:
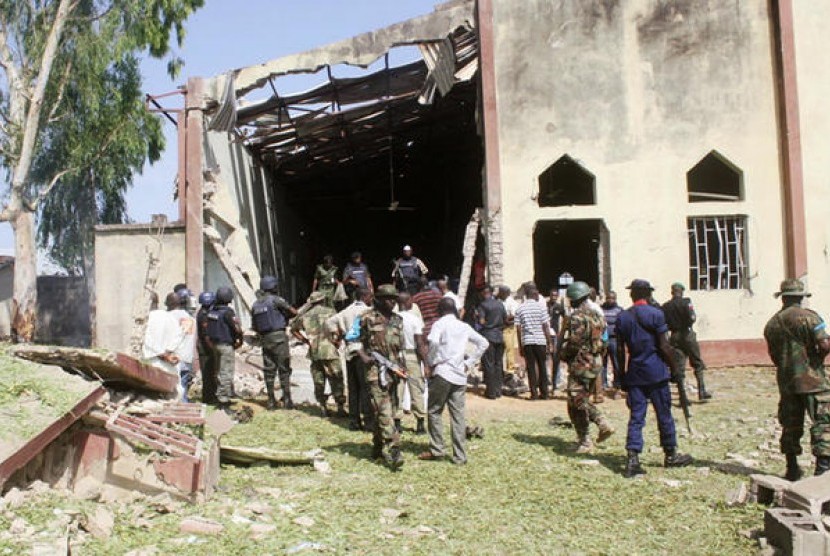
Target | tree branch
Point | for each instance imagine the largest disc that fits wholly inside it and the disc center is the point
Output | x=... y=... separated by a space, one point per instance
x=61 y=88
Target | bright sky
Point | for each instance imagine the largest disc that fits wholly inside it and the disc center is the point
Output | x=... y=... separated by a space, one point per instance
x=228 y=34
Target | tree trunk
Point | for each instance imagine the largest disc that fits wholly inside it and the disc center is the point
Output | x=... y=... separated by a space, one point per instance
x=24 y=306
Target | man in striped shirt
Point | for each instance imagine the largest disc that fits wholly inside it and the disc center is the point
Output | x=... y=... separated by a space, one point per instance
x=535 y=340
x=427 y=300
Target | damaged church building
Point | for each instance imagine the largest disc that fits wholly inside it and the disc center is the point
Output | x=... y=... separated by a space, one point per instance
x=673 y=140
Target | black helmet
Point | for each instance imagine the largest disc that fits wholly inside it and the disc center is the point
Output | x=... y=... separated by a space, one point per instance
x=268 y=283
x=224 y=295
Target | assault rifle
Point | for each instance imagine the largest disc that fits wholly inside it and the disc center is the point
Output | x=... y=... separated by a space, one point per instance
x=385 y=366
x=684 y=402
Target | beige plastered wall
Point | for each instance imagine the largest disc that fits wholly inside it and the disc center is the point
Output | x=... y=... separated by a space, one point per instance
x=813 y=68
x=122 y=254
x=638 y=92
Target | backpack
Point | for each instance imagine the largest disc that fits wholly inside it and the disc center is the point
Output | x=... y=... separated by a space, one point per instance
x=265 y=317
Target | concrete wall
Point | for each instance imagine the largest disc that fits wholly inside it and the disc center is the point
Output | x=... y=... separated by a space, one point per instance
x=122 y=254
x=813 y=67
x=638 y=92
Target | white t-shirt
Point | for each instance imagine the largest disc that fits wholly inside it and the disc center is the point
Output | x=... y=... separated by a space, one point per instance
x=448 y=348
x=455 y=299
x=163 y=335
x=187 y=324
x=412 y=326
x=510 y=306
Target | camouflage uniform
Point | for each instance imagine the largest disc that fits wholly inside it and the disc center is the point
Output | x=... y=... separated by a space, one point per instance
x=385 y=336
x=325 y=359
x=326 y=282
x=792 y=337
x=582 y=349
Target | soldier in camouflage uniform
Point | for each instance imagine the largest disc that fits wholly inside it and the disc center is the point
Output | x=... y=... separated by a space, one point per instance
x=798 y=342
x=582 y=349
x=381 y=331
x=325 y=359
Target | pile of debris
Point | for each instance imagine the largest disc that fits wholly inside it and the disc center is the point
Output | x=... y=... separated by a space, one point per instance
x=798 y=521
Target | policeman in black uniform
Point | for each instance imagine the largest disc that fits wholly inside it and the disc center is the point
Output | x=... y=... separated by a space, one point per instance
x=408 y=272
x=680 y=316
x=224 y=335
x=207 y=355
x=269 y=317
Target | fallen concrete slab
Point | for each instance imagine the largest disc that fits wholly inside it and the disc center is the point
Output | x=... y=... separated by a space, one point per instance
x=811 y=495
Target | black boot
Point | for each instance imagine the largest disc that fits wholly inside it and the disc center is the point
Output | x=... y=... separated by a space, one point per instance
x=673 y=459
x=702 y=394
x=398 y=426
x=822 y=465
x=632 y=466
x=272 y=400
x=285 y=385
x=419 y=427
x=341 y=411
x=793 y=470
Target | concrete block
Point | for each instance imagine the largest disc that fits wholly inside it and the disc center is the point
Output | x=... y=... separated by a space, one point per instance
x=767 y=489
x=795 y=532
x=811 y=495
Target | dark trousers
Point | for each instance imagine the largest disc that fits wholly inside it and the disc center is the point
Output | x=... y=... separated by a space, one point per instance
x=610 y=353
x=358 y=391
x=791 y=410
x=638 y=399
x=207 y=364
x=492 y=363
x=556 y=373
x=537 y=371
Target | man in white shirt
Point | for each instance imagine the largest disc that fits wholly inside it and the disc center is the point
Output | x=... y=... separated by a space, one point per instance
x=447 y=371
x=414 y=352
x=163 y=336
x=444 y=287
x=187 y=347
x=345 y=326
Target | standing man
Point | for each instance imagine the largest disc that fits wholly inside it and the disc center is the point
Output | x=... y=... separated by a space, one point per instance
x=310 y=328
x=557 y=311
x=535 y=340
x=443 y=285
x=798 y=342
x=408 y=271
x=581 y=348
x=491 y=315
x=427 y=301
x=641 y=329
x=511 y=341
x=356 y=275
x=381 y=332
x=269 y=318
x=224 y=336
x=414 y=352
x=611 y=311
x=325 y=280
x=345 y=325
x=680 y=316
x=447 y=371
x=163 y=336
x=208 y=358
x=187 y=348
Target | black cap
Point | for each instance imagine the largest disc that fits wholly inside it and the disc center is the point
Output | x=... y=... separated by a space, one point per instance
x=639 y=284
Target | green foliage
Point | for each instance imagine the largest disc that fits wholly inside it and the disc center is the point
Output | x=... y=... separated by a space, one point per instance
x=94 y=133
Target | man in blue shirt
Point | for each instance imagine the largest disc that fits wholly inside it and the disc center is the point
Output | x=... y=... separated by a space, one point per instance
x=641 y=330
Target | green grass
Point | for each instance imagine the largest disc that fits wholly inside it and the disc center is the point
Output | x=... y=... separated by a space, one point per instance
x=523 y=491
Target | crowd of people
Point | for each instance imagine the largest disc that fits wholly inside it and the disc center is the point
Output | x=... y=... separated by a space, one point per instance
x=412 y=339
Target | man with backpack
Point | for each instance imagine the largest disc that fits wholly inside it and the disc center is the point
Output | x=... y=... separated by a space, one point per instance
x=269 y=319
x=223 y=335
x=641 y=330
x=582 y=348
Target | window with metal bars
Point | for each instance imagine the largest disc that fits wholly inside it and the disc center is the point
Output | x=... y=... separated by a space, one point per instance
x=717 y=252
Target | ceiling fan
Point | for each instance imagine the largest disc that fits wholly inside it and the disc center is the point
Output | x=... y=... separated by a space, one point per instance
x=394 y=205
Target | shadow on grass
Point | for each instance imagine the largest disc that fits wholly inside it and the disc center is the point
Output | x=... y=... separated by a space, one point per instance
x=616 y=461
x=365 y=450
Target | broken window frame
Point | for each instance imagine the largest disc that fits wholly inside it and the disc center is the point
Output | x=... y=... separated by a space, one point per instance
x=718 y=261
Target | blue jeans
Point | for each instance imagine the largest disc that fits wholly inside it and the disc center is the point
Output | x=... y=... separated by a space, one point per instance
x=610 y=353
x=638 y=399
x=185 y=378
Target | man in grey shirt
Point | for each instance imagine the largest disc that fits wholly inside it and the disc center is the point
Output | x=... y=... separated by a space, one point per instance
x=448 y=364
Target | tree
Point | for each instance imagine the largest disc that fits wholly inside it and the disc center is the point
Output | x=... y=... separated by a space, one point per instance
x=51 y=53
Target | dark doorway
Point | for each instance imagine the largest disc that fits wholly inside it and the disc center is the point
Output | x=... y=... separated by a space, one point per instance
x=579 y=247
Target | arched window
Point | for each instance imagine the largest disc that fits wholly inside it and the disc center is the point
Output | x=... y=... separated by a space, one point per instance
x=566 y=182
x=713 y=179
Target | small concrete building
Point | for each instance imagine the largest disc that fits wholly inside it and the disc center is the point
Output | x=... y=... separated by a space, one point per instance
x=673 y=140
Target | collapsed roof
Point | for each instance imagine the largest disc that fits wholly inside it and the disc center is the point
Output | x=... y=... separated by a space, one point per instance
x=353 y=118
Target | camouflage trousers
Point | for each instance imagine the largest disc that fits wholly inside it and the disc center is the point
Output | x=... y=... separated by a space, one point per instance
x=382 y=402
x=791 y=409
x=276 y=359
x=331 y=370
x=580 y=409
x=226 y=367
x=415 y=384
